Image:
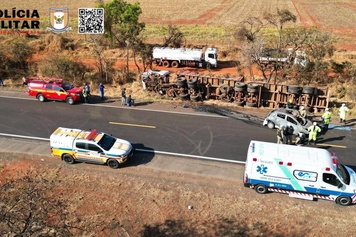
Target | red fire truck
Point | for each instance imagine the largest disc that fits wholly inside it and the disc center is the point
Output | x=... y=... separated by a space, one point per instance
x=53 y=89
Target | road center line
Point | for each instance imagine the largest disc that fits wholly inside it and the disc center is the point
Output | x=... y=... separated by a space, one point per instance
x=325 y=144
x=133 y=125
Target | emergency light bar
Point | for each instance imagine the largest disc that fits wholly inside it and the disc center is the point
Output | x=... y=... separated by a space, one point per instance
x=91 y=135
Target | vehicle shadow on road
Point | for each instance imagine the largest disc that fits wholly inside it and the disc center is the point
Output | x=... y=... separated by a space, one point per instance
x=340 y=138
x=142 y=103
x=142 y=155
x=94 y=99
x=350 y=123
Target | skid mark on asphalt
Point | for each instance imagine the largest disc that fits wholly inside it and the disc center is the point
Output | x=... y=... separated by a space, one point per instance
x=133 y=125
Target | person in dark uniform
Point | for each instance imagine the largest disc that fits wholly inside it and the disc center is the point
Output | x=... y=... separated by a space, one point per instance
x=129 y=101
x=288 y=134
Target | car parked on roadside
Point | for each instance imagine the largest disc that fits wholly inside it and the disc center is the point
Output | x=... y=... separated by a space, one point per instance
x=281 y=117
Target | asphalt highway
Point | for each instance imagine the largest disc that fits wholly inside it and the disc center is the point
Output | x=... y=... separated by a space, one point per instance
x=200 y=134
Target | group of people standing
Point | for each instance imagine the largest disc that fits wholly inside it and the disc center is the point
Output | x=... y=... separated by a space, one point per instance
x=285 y=134
x=86 y=92
x=124 y=100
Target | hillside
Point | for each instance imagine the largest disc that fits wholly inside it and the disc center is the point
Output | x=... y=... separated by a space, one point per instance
x=150 y=202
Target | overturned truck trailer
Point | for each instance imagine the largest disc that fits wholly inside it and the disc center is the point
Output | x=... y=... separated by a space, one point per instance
x=195 y=87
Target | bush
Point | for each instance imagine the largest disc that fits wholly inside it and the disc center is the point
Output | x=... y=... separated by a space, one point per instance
x=63 y=67
x=341 y=92
x=338 y=67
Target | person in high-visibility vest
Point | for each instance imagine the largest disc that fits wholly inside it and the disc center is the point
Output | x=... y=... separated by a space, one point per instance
x=85 y=95
x=313 y=132
x=290 y=104
x=342 y=113
x=327 y=118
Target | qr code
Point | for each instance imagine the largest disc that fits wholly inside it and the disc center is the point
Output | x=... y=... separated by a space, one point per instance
x=91 y=20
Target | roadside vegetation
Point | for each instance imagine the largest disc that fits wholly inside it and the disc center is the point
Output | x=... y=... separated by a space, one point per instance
x=127 y=38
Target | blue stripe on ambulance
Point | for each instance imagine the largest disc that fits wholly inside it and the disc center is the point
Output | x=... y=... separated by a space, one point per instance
x=328 y=192
x=288 y=187
x=272 y=184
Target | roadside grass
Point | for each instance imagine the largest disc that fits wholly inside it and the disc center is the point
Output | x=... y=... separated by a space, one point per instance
x=137 y=200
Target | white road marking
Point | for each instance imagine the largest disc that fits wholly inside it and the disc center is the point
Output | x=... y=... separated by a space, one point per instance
x=141 y=150
x=134 y=108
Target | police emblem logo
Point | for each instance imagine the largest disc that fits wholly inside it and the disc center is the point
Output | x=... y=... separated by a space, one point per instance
x=59 y=18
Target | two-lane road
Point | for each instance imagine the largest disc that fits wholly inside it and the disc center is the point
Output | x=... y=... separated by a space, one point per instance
x=205 y=135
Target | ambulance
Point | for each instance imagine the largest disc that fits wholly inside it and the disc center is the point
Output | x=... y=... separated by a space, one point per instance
x=77 y=145
x=302 y=172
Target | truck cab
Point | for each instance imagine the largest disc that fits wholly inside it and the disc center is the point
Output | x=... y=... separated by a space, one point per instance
x=211 y=57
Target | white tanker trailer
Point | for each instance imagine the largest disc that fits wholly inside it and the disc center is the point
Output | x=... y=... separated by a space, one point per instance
x=175 y=57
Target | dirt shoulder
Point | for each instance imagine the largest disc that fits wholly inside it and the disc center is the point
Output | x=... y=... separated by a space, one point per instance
x=145 y=200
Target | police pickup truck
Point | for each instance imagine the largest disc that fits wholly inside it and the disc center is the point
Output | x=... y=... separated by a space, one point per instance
x=76 y=145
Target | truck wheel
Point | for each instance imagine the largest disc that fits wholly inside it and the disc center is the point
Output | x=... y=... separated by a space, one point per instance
x=113 y=164
x=41 y=98
x=251 y=104
x=261 y=189
x=165 y=64
x=181 y=81
x=70 y=100
x=175 y=64
x=308 y=90
x=68 y=159
x=184 y=96
x=192 y=82
x=239 y=103
x=294 y=89
x=252 y=88
x=270 y=125
x=195 y=98
x=240 y=87
x=343 y=200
